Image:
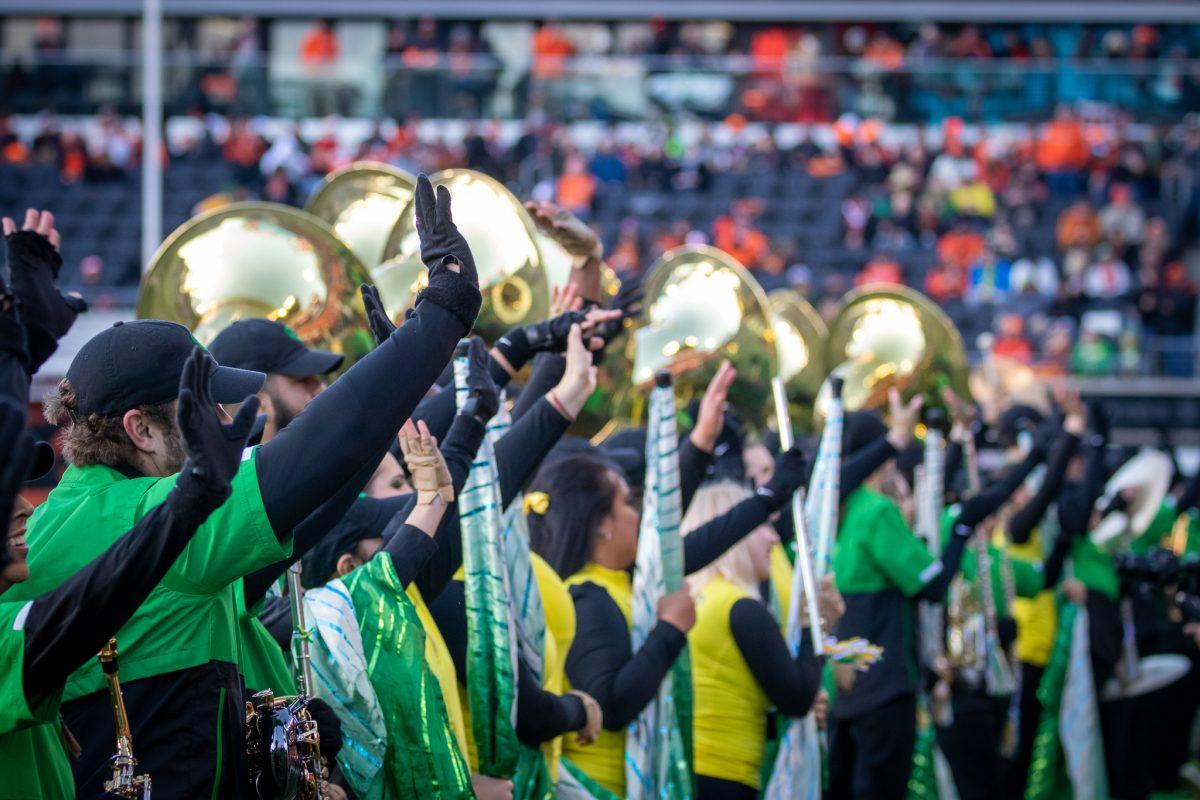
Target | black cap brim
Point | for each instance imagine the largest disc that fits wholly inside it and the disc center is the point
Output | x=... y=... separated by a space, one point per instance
x=232 y=385
x=42 y=461
x=311 y=363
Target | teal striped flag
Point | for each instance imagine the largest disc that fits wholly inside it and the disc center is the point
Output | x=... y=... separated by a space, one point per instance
x=491 y=629
x=657 y=748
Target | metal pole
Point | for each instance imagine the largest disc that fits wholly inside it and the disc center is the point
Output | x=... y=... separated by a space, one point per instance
x=152 y=122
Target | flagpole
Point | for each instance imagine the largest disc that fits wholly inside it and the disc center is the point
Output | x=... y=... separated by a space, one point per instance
x=152 y=121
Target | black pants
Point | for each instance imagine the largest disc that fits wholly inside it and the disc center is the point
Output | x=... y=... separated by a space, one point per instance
x=971 y=743
x=870 y=756
x=718 y=789
x=1030 y=708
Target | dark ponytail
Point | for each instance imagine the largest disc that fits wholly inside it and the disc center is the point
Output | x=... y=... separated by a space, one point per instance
x=581 y=490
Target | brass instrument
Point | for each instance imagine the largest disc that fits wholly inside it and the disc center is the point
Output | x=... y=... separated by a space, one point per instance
x=503 y=240
x=800 y=336
x=700 y=306
x=124 y=783
x=362 y=202
x=283 y=743
x=886 y=337
x=1000 y=382
x=260 y=260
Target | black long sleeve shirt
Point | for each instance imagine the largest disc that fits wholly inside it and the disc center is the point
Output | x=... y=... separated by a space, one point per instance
x=68 y=625
x=1025 y=519
x=602 y=663
x=354 y=420
x=789 y=683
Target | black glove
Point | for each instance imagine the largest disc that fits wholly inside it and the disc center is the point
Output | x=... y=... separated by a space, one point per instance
x=629 y=302
x=483 y=398
x=377 y=318
x=548 y=336
x=46 y=313
x=328 y=726
x=790 y=470
x=440 y=237
x=16 y=447
x=214 y=450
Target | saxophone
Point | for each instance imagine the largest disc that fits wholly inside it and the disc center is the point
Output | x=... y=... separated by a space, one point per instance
x=124 y=783
x=283 y=744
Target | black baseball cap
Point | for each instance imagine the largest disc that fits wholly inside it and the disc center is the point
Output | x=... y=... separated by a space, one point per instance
x=268 y=346
x=367 y=518
x=139 y=363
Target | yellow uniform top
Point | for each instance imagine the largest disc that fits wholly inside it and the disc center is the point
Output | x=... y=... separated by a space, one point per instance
x=442 y=666
x=604 y=759
x=1036 y=617
x=730 y=708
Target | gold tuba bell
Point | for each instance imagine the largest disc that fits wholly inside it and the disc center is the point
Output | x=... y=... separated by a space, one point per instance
x=800 y=336
x=700 y=306
x=512 y=275
x=362 y=203
x=887 y=336
x=259 y=260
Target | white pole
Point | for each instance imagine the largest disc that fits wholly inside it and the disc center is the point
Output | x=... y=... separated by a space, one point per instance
x=152 y=120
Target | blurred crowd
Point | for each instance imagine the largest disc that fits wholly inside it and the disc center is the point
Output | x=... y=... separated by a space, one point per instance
x=1066 y=242
x=623 y=70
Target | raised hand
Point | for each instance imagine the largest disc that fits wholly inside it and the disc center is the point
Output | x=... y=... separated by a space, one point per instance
x=214 y=450
x=791 y=468
x=578 y=380
x=442 y=245
x=483 y=398
x=565 y=228
x=377 y=318
x=902 y=418
x=430 y=476
x=34 y=262
x=710 y=420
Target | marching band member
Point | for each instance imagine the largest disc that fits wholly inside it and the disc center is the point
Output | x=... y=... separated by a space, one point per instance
x=880 y=567
x=52 y=635
x=180 y=647
x=741 y=666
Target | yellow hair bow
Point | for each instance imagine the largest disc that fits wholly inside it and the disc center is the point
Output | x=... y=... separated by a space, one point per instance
x=536 y=503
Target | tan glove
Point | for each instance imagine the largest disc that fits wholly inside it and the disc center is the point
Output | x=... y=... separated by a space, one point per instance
x=430 y=476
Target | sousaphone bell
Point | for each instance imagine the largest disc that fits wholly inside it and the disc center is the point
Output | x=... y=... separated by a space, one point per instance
x=501 y=234
x=259 y=260
x=362 y=203
x=700 y=306
x=800 y=336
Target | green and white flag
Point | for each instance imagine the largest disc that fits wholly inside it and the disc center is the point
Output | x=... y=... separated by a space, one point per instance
x=657 y=747
x=491 y=628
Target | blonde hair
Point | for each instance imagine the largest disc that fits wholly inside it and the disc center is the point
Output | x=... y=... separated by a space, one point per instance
x=713 y=500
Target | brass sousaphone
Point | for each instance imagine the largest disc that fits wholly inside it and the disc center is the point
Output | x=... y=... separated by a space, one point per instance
x=259 y=260
x=887 y=336
x=501 y=234
x=362 y=203
x=800 y=336
x=700 y=306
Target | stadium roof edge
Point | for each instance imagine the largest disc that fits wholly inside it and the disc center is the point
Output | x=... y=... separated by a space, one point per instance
x=750 y=10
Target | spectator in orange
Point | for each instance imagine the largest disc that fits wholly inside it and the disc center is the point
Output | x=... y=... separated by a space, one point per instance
x=550 y=50
x=735 y=234
x=880 y=269
x=576 y=186
x=769 y=48
x=884 y=52
x=1062 y=152
x=945 y=282
x=1078 y=226
x=960 y=247
x=1011 y=341
x=319 y=47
